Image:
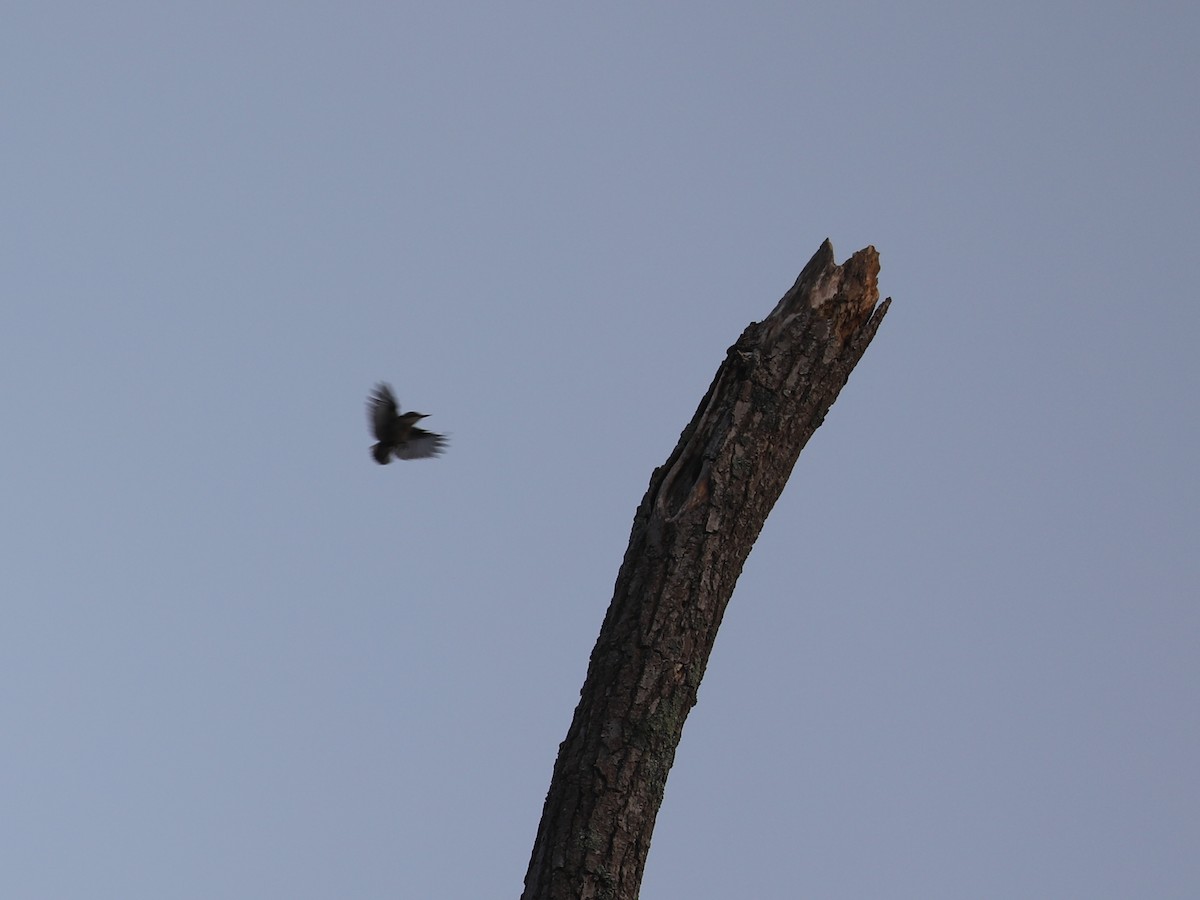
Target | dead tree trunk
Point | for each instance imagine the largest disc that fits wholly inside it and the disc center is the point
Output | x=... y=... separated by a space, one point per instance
x=691 y=535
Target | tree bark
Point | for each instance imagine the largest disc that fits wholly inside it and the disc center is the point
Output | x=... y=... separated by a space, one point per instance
x=691 y=535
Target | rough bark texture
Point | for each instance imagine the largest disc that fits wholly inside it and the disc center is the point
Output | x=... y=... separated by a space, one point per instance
x=691 y=535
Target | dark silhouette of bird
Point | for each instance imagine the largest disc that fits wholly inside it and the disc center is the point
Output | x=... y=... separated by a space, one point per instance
x=397 y=433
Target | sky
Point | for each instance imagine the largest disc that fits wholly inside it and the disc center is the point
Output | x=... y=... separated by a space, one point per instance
x=240 y=660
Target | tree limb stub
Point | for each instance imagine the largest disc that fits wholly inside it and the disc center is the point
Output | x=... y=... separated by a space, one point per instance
x=691 y=535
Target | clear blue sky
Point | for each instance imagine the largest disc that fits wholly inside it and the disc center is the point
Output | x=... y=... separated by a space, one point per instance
x=240 y=660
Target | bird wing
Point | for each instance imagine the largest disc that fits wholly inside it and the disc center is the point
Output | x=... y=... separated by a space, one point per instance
x=382 y=411
x=421 y=444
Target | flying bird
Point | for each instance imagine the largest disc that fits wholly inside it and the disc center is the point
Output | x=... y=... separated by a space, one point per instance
x=396 y=432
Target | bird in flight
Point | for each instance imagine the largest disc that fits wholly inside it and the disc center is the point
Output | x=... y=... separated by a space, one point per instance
x=397 y=433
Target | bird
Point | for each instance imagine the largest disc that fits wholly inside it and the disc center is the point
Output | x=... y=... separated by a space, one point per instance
x=397 y=433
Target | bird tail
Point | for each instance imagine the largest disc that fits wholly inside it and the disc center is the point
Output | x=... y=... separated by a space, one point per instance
x=382 y=453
